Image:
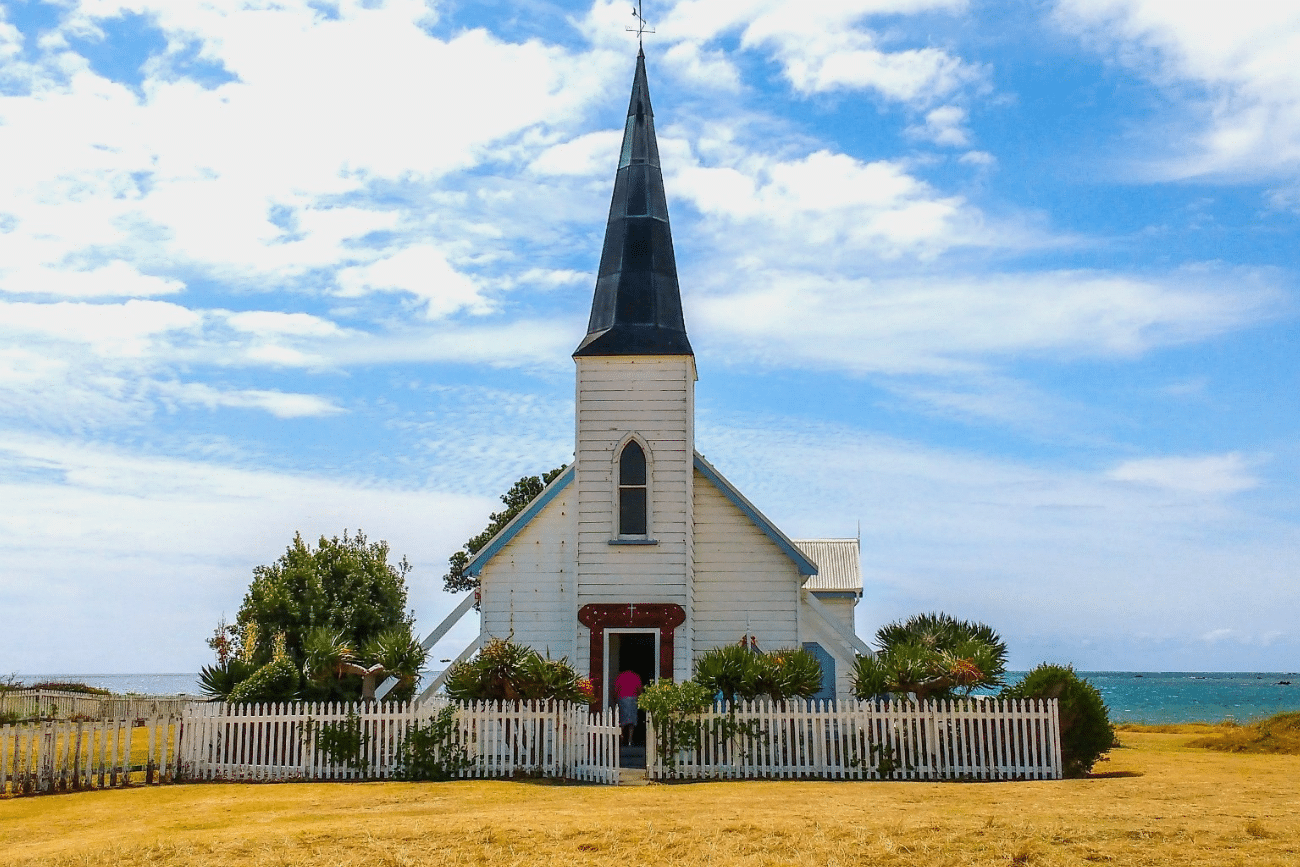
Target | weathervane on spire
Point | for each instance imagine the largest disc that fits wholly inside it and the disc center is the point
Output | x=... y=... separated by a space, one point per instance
x=641 y=29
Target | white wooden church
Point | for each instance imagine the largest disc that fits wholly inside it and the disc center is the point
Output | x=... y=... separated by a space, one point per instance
x=641 y=554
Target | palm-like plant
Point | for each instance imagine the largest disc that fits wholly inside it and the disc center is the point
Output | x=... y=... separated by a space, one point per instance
x=724 y=670
x=400 y=654
x=219 y=680
x=743 y=671
x=796 y=673
x=503 y=670
x=931 y=656
x=393 y=652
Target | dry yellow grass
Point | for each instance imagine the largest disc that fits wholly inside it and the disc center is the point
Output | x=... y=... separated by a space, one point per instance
x=1277 y=734
x=1159 y=803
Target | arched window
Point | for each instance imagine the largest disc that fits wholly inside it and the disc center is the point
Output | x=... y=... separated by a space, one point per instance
x=632 y=491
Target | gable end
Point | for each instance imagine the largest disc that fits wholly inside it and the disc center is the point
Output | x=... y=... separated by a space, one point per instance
x=801 y=562
x=518 y=522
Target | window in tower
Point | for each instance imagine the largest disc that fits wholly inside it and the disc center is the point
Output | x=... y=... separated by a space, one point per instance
x=632 y=491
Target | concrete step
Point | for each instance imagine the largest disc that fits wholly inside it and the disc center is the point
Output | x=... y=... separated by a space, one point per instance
x=633 y=777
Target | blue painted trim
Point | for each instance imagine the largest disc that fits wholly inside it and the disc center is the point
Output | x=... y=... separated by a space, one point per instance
x=634 y=541
x=834 y=594
x=509 y=531
x=805 y=566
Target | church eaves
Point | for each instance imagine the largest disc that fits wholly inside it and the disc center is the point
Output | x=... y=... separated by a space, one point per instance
x=637 y=307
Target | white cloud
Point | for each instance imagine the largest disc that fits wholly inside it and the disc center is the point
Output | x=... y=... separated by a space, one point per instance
x=268 y=323
x=978 y=158
x=420 y=270
x=544 y=343
x=278 y=403
x=710 y=69
x=173 y=541
x=945 y=125
x=829 y=200
x=825 y=47
x=1202 y=474
x=948 y=323
x=128 y=329
x=245 y=181
x=591 y=154
x=1245 y=118
x=114 y=280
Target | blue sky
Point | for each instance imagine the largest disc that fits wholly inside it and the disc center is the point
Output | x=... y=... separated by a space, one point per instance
x=1010 y=286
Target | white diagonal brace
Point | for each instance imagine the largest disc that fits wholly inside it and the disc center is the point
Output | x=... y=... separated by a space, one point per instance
x=448 y=622
x=433 y=638
x=824 y=614
x=442 y=677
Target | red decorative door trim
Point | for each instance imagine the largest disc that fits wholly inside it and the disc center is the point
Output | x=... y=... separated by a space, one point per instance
x=666 y=616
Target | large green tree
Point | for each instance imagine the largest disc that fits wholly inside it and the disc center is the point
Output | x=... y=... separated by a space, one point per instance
x=931 y=656
x=334 y=613
x=516 y=499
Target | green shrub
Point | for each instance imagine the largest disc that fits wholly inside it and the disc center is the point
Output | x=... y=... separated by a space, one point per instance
x=674 y=710
x=60 y=686
x=724 y=670
x=342 y=743
x=276 y=681
x=664 y=698
x=433 y=751
x=1086 y=731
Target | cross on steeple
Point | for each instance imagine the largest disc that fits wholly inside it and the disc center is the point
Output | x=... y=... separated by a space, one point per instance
x=641 y=27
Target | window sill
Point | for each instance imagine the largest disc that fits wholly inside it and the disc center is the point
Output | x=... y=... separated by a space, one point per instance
x=634 y=541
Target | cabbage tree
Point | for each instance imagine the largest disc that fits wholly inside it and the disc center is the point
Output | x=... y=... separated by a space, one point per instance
x=931 y=656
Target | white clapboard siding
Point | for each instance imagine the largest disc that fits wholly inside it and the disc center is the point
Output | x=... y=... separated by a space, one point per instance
x=744 y=583
x=980 y=740
x=652 y=398
x=528 y=588
x=48 y=757
x=500 y=739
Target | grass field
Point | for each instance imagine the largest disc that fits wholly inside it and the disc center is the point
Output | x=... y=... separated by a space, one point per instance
x=1157 y=801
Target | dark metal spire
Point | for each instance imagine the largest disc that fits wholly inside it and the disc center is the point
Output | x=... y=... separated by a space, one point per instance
x=637 y=308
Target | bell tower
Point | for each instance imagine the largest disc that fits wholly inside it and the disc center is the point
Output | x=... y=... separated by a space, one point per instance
x=636 y=420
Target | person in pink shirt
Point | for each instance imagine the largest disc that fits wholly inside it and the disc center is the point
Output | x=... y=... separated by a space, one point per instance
x=627 y=686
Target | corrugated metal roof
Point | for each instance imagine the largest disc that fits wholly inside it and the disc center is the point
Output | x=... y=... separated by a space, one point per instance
x=839 y=566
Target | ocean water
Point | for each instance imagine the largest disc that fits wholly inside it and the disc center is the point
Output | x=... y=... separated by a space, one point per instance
x=1132 y=696
x=1195 y=696
x=143 y=684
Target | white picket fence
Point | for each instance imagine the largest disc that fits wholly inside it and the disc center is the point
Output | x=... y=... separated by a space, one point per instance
x=60 y=704
x=48 y=703
x=944 y=740
x=557 y=739
x=46 y=757
x=492 y=739
x=986 y=740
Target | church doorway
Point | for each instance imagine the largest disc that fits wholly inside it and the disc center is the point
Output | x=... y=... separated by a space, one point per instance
x=636 y=650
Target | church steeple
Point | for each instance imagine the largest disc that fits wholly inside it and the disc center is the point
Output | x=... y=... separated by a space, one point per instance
x=637 y=308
